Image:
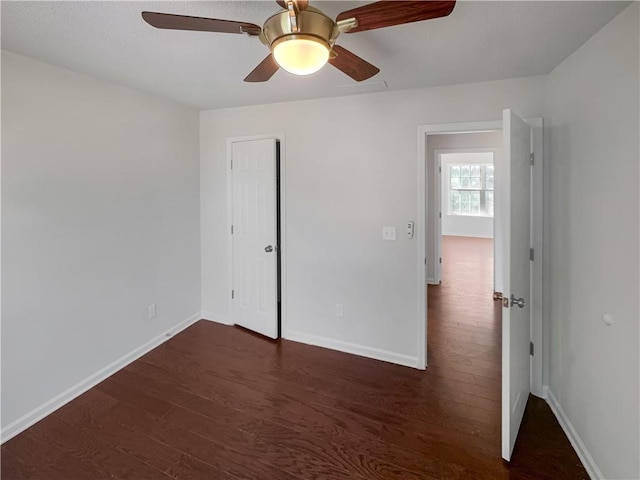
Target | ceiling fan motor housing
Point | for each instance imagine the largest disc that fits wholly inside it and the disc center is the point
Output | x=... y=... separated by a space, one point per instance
x=311 y=23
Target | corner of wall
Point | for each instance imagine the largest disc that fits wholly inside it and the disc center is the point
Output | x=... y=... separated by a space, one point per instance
x=216 y=317
x=50 y=406
x=352 y=348
x=576 y=442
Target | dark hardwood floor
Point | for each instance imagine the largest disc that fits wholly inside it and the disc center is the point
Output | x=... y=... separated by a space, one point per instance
x=218 y=402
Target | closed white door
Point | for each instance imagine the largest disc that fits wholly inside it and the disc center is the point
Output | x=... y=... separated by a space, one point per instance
x=515 y=213
x=254 y=224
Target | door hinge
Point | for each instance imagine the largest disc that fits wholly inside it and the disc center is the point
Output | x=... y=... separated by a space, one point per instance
x=231 y=229
x=439 y=169
x=232 y=294
x=530 y=348
x=440 y=260
x=439 y=214
x=425 y=261
x=531 y=254
x=232 y=164
x=532 y=159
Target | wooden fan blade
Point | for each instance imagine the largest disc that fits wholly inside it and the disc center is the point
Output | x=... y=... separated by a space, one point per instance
x=300 y=4
x=389 y=13
x=351 y=64
x=200 y=24
x=264 y=71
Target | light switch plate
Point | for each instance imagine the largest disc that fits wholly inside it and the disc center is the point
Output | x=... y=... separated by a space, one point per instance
x=388 y=233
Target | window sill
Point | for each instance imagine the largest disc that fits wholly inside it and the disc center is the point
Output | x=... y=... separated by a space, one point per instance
x=454 y=215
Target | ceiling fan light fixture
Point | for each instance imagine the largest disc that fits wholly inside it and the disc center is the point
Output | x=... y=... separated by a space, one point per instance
x=302 y=39
x=300 y=54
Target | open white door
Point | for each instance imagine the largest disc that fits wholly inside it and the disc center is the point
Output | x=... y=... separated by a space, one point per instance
x=254 y=229
x=515 y=210
x=498 y=227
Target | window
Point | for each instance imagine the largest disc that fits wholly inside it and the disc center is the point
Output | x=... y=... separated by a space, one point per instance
x=471 y=190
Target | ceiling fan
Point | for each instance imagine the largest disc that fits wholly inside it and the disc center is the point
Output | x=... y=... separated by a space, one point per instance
x=302 y=39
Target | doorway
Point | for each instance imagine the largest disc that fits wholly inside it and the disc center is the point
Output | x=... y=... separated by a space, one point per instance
x=467 y=265
x=464 y=323
x=521 y=198
x=460 y=202
x=426 y=244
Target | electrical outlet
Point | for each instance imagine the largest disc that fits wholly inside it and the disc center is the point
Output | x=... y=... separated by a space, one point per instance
x=339 y=310
x=152 y=310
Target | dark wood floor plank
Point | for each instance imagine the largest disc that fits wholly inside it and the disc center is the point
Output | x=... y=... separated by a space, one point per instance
x=96 y=451
x=15 y=467
x=188 y=467
x=86 y=408
x=288 y=407
x=214 y=452
x=129 y=393
x=265 y=404
x=54 y=452
x=305 y=462
x=366 y=459
x=218 y=402
x=177 y=395
x=93 y=412
x=189 y=371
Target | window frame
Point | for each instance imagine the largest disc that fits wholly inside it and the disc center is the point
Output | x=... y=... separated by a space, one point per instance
x=482 y=190
x=445 y=158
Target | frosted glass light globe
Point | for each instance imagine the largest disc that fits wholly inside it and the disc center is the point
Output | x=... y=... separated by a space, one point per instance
x=300 y=56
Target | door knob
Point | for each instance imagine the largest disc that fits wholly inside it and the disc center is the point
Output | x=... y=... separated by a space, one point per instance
x=517 y=301
x=268 y=249
x=497 y=297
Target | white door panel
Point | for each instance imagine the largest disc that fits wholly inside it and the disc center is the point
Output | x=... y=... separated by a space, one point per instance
x=255 y=236
x=515 y=213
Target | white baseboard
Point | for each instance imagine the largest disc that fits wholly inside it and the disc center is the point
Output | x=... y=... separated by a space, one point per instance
x=580 y=448
x=215 y=317
x=38 y=413
x=352 y=348
x=432 y=281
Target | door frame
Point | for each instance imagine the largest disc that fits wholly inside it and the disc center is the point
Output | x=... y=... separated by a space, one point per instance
x=437 y=244
x=437 y=161
x=537 y=321
x=282 y=253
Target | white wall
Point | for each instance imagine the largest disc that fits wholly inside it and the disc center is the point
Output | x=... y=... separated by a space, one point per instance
x=350 y=170
x=593 y=242
x=100 y=218
x=457 y=141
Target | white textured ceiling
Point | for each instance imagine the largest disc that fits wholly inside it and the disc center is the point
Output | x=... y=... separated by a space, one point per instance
x=479 y=41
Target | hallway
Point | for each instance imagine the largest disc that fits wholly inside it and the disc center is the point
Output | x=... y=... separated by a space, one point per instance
x=464 y=327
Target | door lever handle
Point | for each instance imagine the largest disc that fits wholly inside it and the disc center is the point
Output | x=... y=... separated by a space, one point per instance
x=517 y=301
x=268 y=249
